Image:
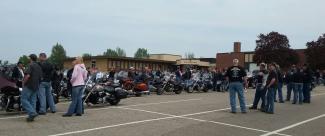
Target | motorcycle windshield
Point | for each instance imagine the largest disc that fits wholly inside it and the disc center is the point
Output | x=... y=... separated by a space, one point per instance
x=6 y=83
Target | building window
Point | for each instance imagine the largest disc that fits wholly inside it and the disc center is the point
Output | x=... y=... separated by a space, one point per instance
x=122 y=64
x=247 y=57
x=252 y=58
x=93 y=63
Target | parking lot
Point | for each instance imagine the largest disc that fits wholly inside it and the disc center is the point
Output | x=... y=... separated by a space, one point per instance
x=197 y=114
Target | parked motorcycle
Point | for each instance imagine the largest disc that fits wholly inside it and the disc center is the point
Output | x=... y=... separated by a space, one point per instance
x=10 y=99
x=102 y=93
x=136 y=89
x=196 y=85
x=170 y=84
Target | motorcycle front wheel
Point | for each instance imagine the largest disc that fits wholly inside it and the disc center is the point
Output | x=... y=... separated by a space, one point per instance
x=160 y=91
x=114 y=101
x=190 y=89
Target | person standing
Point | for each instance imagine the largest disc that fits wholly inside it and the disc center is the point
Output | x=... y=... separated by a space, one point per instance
x=18 y=74
x=31 y=82
x=79 y=76
x=214 y=79
x=45 y=95
x=260 y=87
x=307 y=83
x=271 y=85
x=289 y=81
x=236 y=75
x=217 y=80
x=280 y=85
x=298 y=79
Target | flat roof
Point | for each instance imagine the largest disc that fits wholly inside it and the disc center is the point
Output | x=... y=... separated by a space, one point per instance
x=124 y=58
x=166 y=54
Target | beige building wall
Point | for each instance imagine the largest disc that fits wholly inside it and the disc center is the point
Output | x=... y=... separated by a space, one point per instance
x=165 y=57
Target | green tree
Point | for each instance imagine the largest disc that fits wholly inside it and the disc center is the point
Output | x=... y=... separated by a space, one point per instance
x=6 y=62
x=24 y=59
x=86 y=55
x=275 y=47
x=120 y=52
x=110 y=53
x=58 y=55
x=141 y=53
x=315 y=53
x=189 y=55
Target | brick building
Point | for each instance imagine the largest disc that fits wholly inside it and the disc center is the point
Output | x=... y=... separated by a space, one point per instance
x=224 y=60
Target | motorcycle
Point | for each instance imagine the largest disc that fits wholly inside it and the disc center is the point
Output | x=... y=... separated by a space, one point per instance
x=196 y=85
x=10 y=99
x=102 y=93
x=207 y=84
x=170 y=85
x=136 y=89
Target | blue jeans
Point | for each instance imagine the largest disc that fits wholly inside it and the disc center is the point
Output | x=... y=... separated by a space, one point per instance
x=28 y=101
x=45 y=97
x=259 y=94
x=298 y=93
x=290 y=88
x=188 y=83
x=279 y=91
x=270 y=100
x=76 y=105
x=306 y=92
x=237 y=87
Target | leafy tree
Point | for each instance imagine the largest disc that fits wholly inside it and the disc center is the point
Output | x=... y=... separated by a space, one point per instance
x=6 y=62
x=86 y=55
x=110 y=53
x=275 y=47
x=315 y=53
x=24 y=59
x=120 y=52
x=189 y=55
x=141 y=53
x=58 y=55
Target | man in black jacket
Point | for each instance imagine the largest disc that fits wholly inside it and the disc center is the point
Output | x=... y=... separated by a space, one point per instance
x=298 y=79
x=307 y=83
x=45 y=89
x=33 y=75
x=18 y=74
x=289 y=81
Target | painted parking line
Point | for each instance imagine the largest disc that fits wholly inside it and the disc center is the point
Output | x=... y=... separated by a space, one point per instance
x=145 y=104
x=112 y=126
x=293 y=125
x=157 y=119
x=200 y=120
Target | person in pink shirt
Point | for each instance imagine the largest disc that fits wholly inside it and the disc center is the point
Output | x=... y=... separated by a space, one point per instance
x=79 y=76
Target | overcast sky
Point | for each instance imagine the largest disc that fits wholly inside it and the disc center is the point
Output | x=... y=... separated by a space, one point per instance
x=203 y=27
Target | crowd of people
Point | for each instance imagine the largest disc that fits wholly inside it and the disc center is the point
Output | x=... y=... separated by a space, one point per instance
x=269 y=83
x=40 y=77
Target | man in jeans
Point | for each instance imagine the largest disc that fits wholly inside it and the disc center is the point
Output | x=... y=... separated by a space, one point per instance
x=236 y=75
x=307 y=83
x=280 y=85
x=298 y=79
x=271 y=85
x=45 y=90
x=260 y=87
x=33 y=75
x=289 y=81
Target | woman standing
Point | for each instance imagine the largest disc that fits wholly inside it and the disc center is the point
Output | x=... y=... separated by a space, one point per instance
x=78 y=79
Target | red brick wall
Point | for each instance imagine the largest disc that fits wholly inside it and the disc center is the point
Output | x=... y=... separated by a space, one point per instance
x=302 y=57
x=225 y=59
